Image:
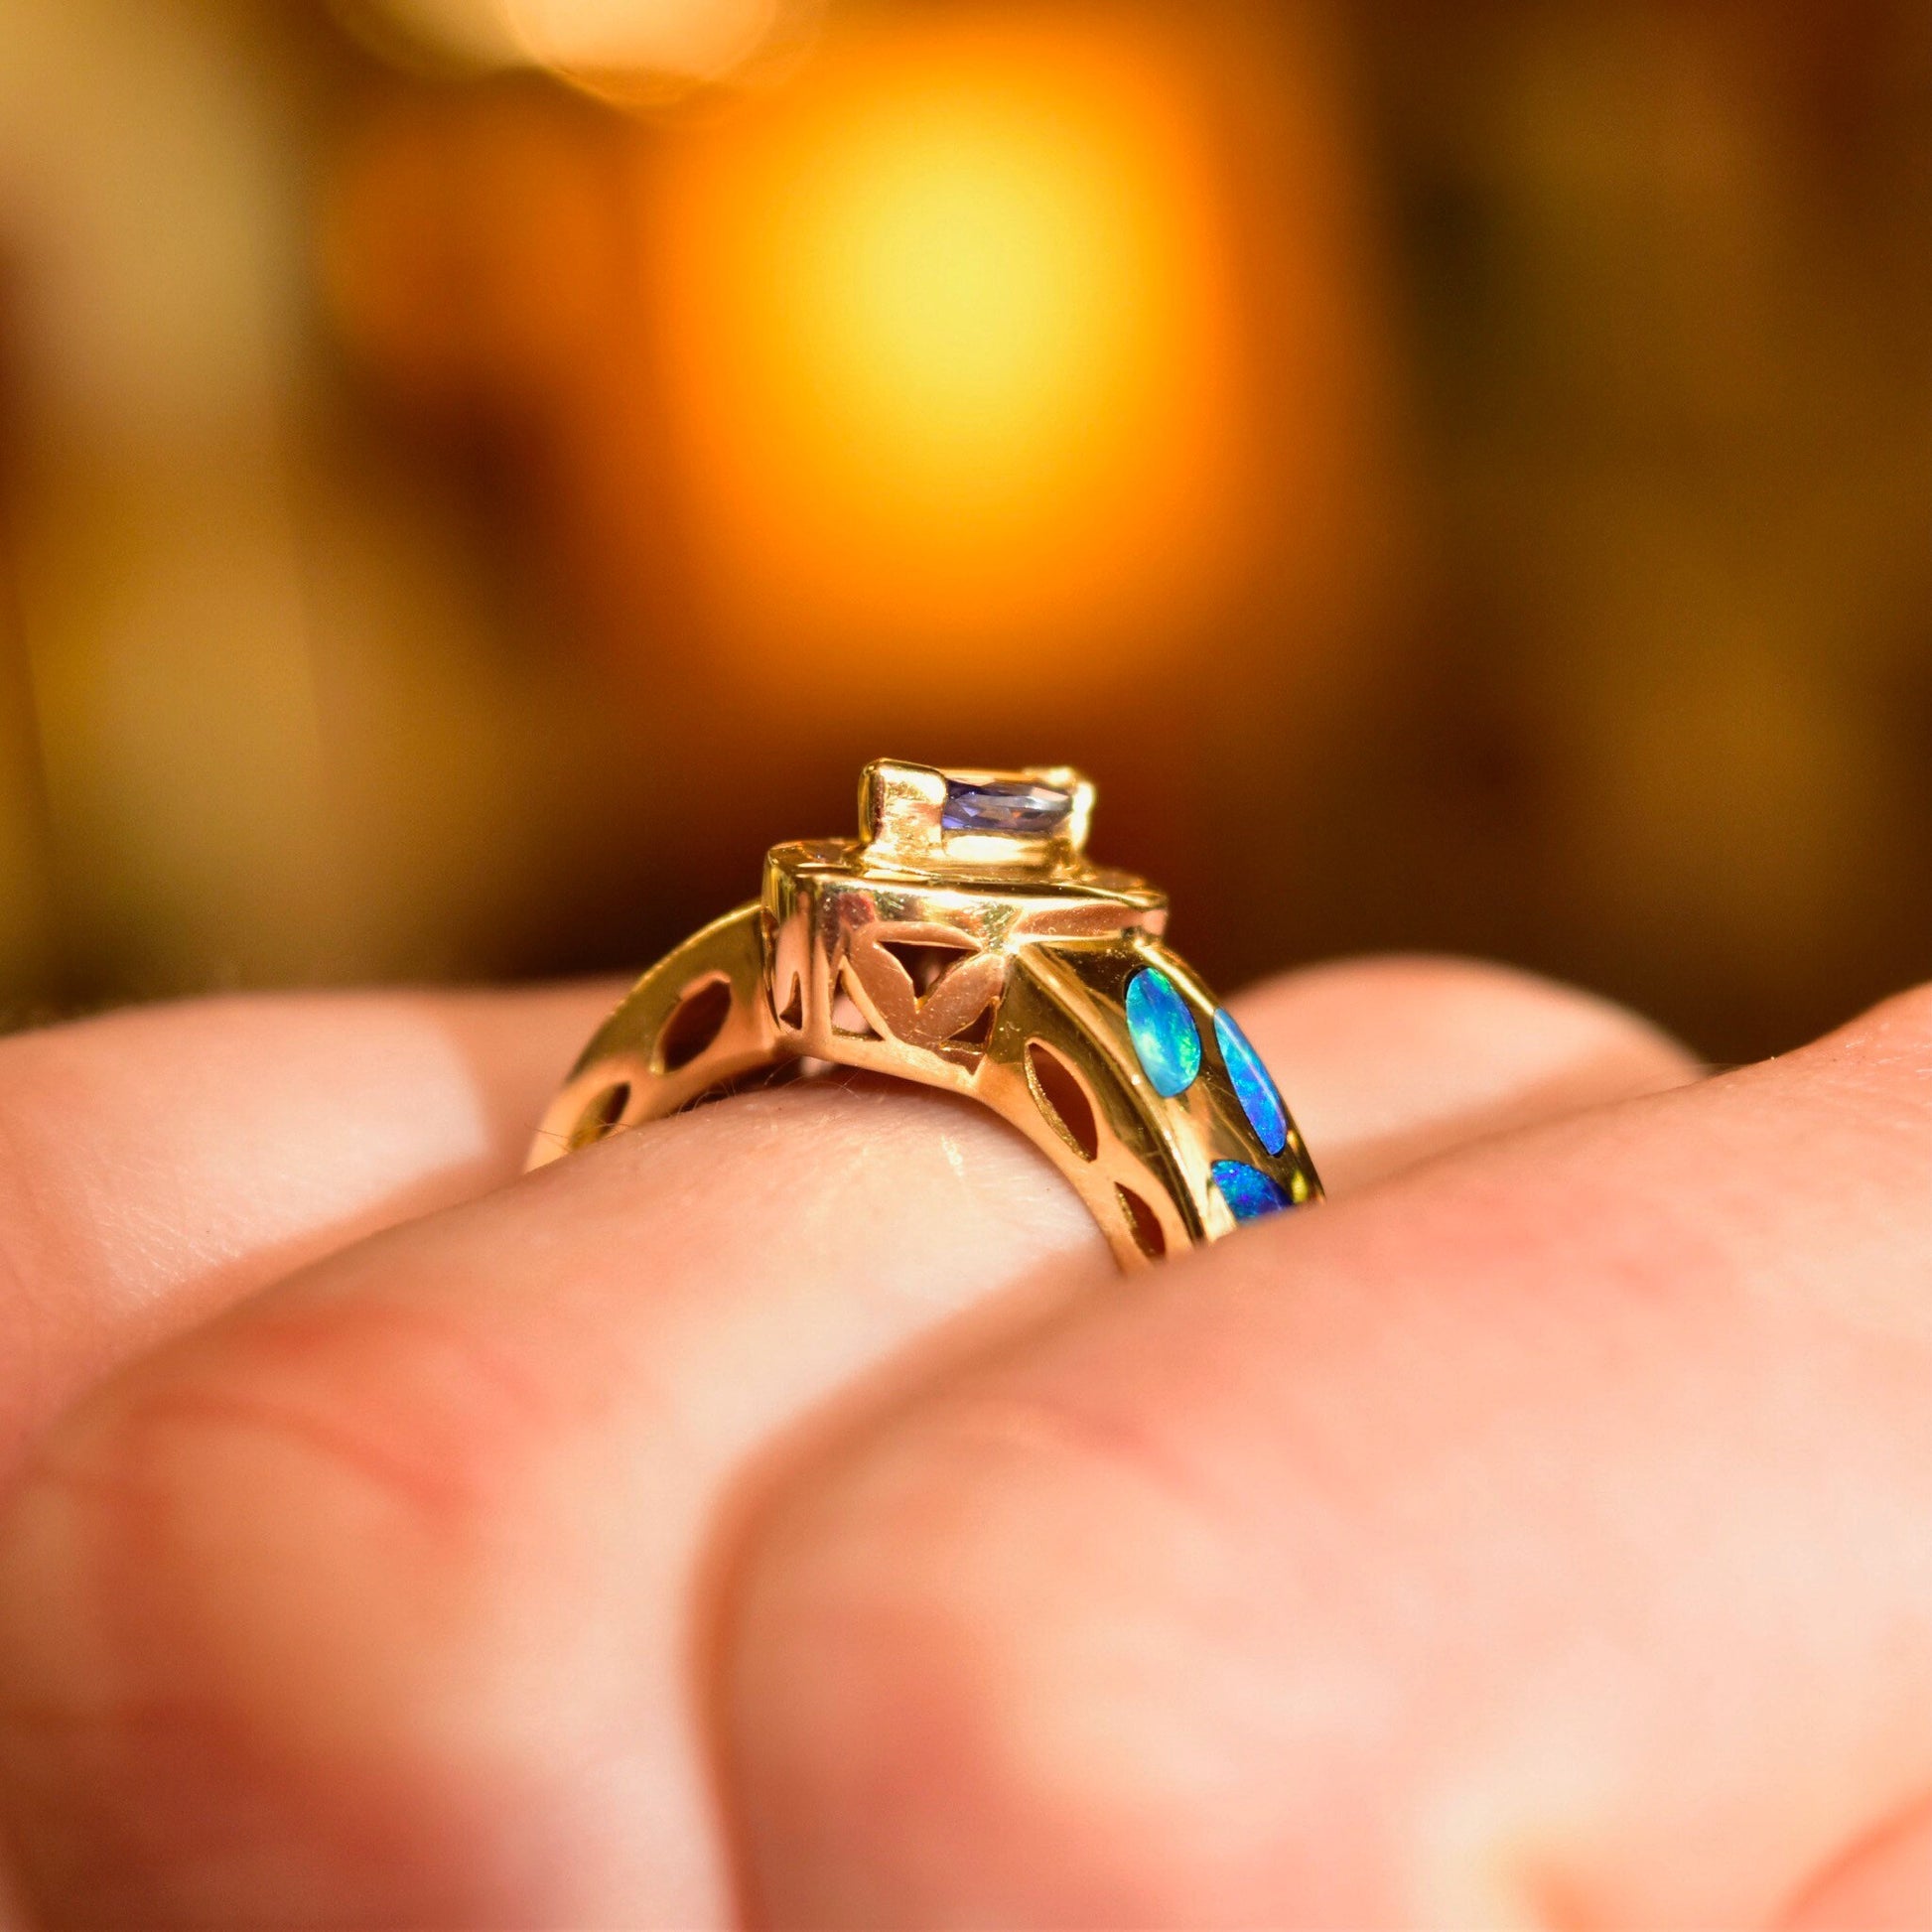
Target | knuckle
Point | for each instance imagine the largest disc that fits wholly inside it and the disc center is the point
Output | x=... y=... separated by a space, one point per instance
x=371 y=1404
x=232 y=1520
x=1091 y=1693
x=241 y=1555
x=1000 y=1619
x=960 y=1497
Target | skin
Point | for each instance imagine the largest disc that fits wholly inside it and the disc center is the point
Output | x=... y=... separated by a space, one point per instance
x=782 y=1512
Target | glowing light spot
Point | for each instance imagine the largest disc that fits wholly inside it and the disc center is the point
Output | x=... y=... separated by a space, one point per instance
x=949 y=347
x=597 y=41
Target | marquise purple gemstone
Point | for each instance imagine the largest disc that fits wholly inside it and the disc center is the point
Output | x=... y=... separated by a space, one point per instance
x=1019 y=808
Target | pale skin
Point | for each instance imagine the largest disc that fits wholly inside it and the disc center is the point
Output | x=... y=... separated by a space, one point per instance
x=784 y=1514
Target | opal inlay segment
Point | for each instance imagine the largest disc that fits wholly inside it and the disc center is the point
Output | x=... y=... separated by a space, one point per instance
x=1164 y=1032
x=1018 y=810
x=1247 y=1192
x=1260 y=1098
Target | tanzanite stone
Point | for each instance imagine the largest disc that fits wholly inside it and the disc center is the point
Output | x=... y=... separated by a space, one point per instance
x=1260 y=1098
x=1247 y=1192
x=1017 y=807
x=1163 y=1030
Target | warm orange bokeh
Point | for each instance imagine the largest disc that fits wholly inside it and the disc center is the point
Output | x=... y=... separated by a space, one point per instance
x=641 y=49
x=951 y=346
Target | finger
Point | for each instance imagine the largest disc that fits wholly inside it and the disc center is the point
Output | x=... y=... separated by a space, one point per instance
x=1543 y=1539
x=1882 y=1884
x=161 y=1164
x=1391 y=1060
x=383 y=1598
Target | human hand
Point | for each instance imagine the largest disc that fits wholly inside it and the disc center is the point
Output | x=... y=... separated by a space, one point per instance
x=784 y=1509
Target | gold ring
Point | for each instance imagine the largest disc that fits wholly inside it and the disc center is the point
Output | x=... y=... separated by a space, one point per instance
x=964 y=941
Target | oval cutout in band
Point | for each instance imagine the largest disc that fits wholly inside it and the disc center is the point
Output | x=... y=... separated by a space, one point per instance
x=601 y=1117
x=699 y=1019
x=1143 y=1222
x=1062 y=1097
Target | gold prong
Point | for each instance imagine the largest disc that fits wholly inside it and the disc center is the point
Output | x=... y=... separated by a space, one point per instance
x=900 y=806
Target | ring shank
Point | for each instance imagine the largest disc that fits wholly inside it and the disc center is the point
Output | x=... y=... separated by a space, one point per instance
x=1019 y=999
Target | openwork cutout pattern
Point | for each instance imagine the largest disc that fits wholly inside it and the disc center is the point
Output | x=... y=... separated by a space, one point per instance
x=1142 y=1223
x=848 y=1016
x=932 y=988
x=698 y=1021
x=600 y=1116
x=1063 y=1098
x=792 y=1016
x=925 y=962
x=977 y=1032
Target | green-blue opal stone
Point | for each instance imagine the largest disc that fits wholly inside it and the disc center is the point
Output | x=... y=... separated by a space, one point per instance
x=1260 y=1098
x=1247 y=1192
x=1163 y=1031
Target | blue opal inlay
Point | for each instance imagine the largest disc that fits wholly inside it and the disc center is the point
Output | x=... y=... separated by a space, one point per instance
x=1164 y=1035
x=1247 y=1192
x=1260 y=1098
x=1019 y=808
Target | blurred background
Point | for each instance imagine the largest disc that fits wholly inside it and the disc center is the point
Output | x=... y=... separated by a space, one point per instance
x=474 y=472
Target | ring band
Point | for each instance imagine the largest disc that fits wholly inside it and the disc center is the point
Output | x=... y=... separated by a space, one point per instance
x=963 y=941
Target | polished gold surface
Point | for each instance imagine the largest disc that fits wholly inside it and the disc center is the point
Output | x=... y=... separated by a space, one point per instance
x=964 y=941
